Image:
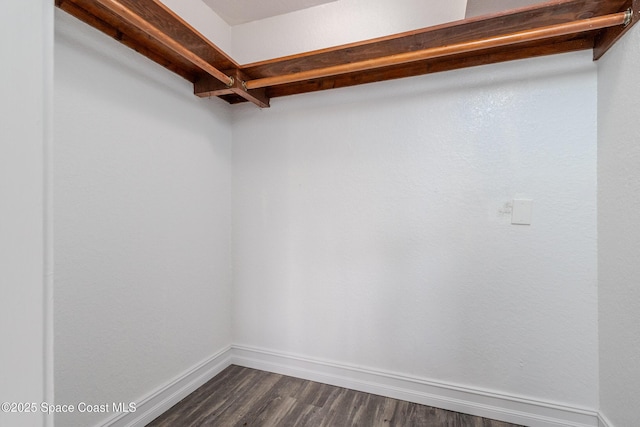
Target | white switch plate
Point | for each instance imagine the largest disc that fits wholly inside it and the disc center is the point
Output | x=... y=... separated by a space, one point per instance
x=522 y=211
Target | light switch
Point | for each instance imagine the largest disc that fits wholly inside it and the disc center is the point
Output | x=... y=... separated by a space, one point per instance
x=521 y=213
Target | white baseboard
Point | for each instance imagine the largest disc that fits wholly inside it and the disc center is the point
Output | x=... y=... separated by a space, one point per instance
x=482 y=403
x=603 y=421
x=159 y=401
x=451 y=397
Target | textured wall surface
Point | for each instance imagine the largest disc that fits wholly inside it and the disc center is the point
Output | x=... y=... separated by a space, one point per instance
x=371 y=224
x=619 y=231
x=372 y=227
x=26 y=35
x=142 y=223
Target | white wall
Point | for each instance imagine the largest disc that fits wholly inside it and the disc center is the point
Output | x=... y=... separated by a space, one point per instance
x=142 y=223
x=26 y=35
x=369 y=223
x=337 y=23
x=618 y=231
x=370 y=228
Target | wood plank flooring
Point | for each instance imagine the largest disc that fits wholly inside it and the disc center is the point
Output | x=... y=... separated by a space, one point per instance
x=248 y=397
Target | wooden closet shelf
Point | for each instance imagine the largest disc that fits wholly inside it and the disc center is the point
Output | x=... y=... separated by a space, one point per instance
x=559 y=26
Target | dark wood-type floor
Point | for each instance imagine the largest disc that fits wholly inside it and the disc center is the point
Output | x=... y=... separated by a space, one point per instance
x=248 y=397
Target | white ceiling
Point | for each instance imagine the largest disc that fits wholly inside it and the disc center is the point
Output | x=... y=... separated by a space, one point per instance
x=236 y=12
